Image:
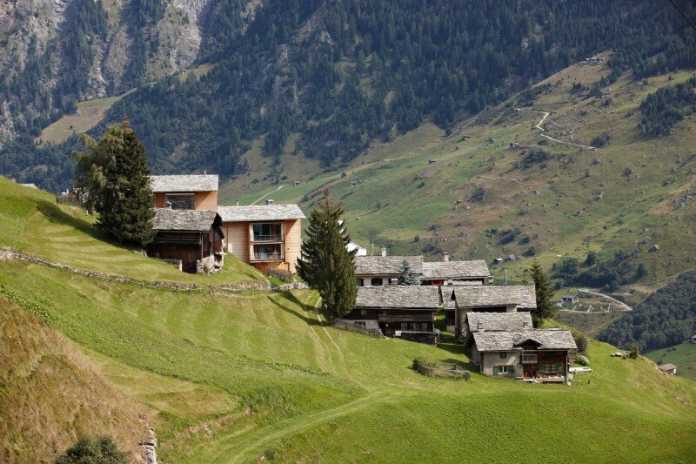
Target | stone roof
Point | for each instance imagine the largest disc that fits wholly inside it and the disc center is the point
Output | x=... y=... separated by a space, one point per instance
x=399 y=297
x=184 y=183
x=483 y=322
x=548 y=339
x=667 y=367
x=386 y=265
x=272 y=212
x=183 y=219
x=455 y=269
x=478 y=296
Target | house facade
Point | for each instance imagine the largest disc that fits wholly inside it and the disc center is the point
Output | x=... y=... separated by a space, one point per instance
x=404 y=311
x=269 y=237
x=197 y=192
x=191 y=239
x=542 y=355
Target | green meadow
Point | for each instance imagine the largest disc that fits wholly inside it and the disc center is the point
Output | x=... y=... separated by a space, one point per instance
x=683 y=356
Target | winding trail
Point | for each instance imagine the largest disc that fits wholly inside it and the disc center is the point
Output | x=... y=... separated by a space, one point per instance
x=610 y=298
x=540 y=127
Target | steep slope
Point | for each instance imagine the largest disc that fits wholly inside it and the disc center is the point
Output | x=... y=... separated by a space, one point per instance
x=51 y=395
x=495 y=186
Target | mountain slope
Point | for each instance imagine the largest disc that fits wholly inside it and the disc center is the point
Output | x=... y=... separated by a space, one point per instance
x=51 y=395
x=237 y=377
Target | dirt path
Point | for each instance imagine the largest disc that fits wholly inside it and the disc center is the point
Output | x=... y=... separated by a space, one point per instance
x=540 y=127
x=267 y=194
x=619 y=303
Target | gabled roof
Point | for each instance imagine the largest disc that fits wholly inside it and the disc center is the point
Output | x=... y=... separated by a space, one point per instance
x=546 y=339
x=399 y=297
x=184 y=183
x=386 y=265
x=485 y=322
x=183 y=219
x=455 y=269
x=481 y=296
x=249 y=213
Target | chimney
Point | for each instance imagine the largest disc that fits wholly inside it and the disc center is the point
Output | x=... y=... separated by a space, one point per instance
x=269 y=202
x=445 y=257
x=384 y=251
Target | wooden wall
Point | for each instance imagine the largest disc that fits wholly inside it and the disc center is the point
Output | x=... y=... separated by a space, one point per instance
x=293 y=243
x=237 y=239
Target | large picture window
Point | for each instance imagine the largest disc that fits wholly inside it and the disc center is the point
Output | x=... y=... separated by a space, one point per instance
x=267 y=232
x=180 y=201
x=270 y=252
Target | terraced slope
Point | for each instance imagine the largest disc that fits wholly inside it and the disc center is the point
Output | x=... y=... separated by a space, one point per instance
x=234 y=378
x=32 y=221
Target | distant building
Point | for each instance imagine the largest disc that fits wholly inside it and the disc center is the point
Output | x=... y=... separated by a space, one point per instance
x=191 y=239
x=569 y=300
x=693 y=339
x=669 y=369
x=405 y=311
x=269 y=237
x=359 y=251
x=377 y=271
x=199 y=192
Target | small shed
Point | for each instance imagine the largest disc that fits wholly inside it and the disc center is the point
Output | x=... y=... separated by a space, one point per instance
x=190 y=237
x=669 y=369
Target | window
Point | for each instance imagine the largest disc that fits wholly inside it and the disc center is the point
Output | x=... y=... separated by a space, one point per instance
x=503 y=355
x=361 y=282
x=180 y=200
x=270 y=252
x=267 y=232
x=529 y=358
x=376 y=281
x=502 y=370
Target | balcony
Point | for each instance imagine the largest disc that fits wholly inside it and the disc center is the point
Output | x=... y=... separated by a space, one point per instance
x=267 y=232
x=272 y=252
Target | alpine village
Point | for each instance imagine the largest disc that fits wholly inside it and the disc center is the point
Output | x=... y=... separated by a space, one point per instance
x=328 y=231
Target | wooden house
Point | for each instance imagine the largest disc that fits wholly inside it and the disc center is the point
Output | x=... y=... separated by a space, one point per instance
x=269 y=237
x=377 y=271
x=199 y=192
x=471 y=272
x=406 y=311
x=192 y=239
x=488 y=298
x=535 y=354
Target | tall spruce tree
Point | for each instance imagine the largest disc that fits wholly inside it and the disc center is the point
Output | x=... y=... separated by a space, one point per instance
x=326 y=265
x=115 y=175
x=544 y=293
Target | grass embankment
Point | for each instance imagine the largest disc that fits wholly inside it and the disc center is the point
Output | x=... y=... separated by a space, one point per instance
x=31 y=221
x=237 y=377
x=683 y=356
x=51 y=394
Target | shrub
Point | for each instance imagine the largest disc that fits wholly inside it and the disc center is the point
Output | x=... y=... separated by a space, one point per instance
x=93 y=451
x=582 y=360
x=580 y=341
x=533 y=157
x=280 y=274
x=635 y=351
x=601 y=140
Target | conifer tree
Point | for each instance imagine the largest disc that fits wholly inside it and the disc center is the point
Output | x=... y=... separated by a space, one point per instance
x=544 y=293
x=115 y=175
x=407 y=276
x=326 y=265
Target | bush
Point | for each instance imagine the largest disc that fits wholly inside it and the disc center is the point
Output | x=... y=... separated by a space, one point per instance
x=582 y=360
x=580 y=341
x=533 y=157
x=284 y=276
x=93 y=451
x=601 y=140
x=635 y=351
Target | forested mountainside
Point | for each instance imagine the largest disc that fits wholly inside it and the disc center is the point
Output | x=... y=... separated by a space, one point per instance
x=666 y=318
x=318 y=77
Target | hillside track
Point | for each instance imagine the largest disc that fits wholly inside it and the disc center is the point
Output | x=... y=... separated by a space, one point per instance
x=540 y=126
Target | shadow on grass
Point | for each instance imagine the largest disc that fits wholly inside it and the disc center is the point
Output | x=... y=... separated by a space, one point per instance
x=289 y=296
x=56 y=215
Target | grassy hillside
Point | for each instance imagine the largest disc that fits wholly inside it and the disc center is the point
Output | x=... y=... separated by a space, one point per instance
x=683 y=356
x=238 y=377
x=31 y=221
x=417 y=193
x=51 y=394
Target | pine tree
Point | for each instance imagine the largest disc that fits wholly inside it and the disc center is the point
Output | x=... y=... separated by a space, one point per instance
x=407 y=276
x=115 y=175
x=326 y=265
x=544 y=293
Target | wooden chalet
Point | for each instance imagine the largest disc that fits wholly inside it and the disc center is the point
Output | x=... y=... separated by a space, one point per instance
x=488 y=298
x=400 y=310
x=471 y=272
x=269 y=237
x=542 y=355
x=197 y=191
x=192 y=239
